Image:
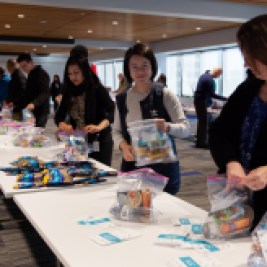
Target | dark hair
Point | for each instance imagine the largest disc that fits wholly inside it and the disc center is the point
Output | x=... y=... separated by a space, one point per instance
x=79 y=51
x=162 y=79
x=252 y=39
x=142 y=50
x=89 y=76
x=24 y=57
x=56 y=76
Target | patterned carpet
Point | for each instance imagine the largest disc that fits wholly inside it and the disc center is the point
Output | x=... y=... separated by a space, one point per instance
x=21 y=246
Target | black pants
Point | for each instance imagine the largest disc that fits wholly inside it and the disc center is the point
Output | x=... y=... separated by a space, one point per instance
x=170 y=170
x=202 y=121
x=105 y=151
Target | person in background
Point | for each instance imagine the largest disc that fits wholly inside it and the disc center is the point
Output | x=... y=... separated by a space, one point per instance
x=147 y=100
x=203 y=95
x=238 y=136
x=123 y=84
x=4 y=81
x=162 y=79
x=55 y=90
x=16 y=89
x=88 y=105
x=37 y=91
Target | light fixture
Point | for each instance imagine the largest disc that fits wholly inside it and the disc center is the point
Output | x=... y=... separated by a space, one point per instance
x=44 y=46
x=90 y=31
x=7 y=26
x=70 y=37
x=164 y=35
x=101 y=48
x=198 y=28
x=115 y=22
x=138 y=41
x=21 y=16
x=43 y=21
x=34 y=49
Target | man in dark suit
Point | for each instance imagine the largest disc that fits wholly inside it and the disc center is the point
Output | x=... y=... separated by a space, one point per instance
x=37 y=91
x=16 y=89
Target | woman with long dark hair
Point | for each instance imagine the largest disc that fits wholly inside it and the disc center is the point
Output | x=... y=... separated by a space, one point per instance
x=89 y=107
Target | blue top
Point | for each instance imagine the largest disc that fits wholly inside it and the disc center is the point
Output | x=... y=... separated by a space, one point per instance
x=4 y=87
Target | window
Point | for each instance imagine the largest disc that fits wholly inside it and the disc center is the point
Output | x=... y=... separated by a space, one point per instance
x=172 y=73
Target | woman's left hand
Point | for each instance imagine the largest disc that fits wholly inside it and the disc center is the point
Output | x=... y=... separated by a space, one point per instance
x=162 y=125
x=256 y=179
x=91 y=128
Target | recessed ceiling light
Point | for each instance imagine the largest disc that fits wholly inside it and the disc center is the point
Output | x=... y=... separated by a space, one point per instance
x=164 y=35
x=43 y=21
x=198 y=28
x=138 y=41
x=21 y=16
x=90 y=31
x=101 y=48
x=115 y=22
x=7 y=26
x=44 y=46
x=34 y=49
x=70 y=37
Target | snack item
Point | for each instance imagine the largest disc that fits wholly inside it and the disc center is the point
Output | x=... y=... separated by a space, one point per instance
x=233 y=226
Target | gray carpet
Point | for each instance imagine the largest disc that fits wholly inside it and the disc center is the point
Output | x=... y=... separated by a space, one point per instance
x=21 y=246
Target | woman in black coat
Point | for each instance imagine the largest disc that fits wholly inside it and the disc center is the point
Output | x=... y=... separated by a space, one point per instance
x=55 y=90
x=238 y=138
x=88 y=105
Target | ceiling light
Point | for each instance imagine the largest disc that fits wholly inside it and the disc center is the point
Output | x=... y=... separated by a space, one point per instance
x=44 y=46
x=90 y=31
x=7 y=26
x=21 y=16
x=43 y=21
x=70 y=37
x=164 y=35
x=115 y=22
x=198 y=28
x=34 y=49
x=138 y=41
x=101 y=48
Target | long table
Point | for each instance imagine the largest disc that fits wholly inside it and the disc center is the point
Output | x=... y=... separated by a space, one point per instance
x=55 y=214
x=9 y=154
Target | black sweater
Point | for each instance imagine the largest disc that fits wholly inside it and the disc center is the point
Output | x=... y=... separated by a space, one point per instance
x=225 y=136
x=98 y=106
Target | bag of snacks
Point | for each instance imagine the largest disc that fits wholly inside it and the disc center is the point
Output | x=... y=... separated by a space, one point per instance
x=135 y=194
x=230 y=214
x=150 y=145
x=76 y=146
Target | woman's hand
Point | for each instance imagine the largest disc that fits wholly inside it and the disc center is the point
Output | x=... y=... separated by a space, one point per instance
x=162 y=125
x=127 y=151
x=256 y=179
x=91 y=128
x=235 y=175
x=65 y=127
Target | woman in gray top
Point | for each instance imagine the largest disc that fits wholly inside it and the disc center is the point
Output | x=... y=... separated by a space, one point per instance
x=147 y=100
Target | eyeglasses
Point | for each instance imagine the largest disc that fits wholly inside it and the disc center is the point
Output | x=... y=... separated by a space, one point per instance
x=141 y=68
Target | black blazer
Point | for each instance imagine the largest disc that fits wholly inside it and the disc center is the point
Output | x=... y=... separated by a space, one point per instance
x=98 y=106
x=224 y=138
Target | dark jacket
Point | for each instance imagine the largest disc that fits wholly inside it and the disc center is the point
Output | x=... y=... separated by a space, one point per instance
x=16 y=89
x=37 y=91
x=225 y=136
x=98 y=106
x=206 y=89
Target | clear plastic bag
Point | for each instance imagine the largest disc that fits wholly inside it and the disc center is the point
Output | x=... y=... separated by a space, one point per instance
x=257 y=257
x=135 y=194
x=31 y=137
x=230 y=214
x=76 y=146
x=150 y=145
